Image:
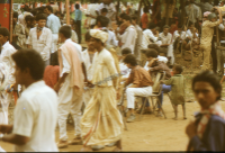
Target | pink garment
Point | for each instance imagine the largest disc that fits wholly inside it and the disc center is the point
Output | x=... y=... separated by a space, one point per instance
x=51 y=75
x=70 y=53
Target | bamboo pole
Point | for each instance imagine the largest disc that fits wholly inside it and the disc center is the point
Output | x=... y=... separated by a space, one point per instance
x=11 y=21
x=67 y=12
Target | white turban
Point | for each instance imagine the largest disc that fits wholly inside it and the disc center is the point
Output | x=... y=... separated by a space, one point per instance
x=206 y=14
x=99 y=34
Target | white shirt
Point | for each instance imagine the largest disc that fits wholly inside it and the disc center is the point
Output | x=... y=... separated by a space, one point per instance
x=147 y=35
x=124 y=70
x=111 y=10
x=88 y=64
x=112 y=41
x=5 y=56
x=189 y=33
x=43 y=44
x=166 y=39
x=176 y=35
x=35 y=116
x=129 y=38
x=91 y=10
x=53 y=23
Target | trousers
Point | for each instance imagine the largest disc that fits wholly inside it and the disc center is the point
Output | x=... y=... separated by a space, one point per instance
x=69 y=102
x=132 y=92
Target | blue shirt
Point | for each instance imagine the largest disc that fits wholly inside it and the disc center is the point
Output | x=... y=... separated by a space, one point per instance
x=78 y=15
x=53 y=23
x=213 y=138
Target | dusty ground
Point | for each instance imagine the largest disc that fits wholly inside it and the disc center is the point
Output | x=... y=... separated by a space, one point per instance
x=149 y=133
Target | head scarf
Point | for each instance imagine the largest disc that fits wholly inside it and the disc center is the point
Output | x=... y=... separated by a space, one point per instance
x=206 y=14
x=211 y=16
x=99 y=34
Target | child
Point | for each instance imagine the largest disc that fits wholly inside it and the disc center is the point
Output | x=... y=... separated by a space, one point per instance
x=177 y=92
x=51 y=74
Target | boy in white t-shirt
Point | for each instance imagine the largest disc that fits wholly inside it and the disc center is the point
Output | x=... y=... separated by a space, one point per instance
x=35 y=114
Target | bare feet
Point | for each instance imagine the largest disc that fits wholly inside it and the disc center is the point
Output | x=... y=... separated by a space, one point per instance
x=185 y=118
x=86 y=149
x=175 y=118
x=76 y=141
x=62 y=144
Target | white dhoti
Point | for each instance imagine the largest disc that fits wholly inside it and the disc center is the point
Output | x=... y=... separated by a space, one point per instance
x=87 y=96
x=109 y=129
x=69 y=102
x=132 y=92
x=54 y=43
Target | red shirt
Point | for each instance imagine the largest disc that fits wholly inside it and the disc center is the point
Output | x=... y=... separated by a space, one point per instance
x=144 y=21
x=51 y=75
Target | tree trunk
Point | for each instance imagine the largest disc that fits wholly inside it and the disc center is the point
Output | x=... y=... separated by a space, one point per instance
x=139 y=11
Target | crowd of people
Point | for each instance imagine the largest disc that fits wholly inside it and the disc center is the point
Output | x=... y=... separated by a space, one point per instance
x=54 y=76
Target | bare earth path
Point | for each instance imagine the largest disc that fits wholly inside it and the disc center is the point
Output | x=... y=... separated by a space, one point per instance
x=148 y=134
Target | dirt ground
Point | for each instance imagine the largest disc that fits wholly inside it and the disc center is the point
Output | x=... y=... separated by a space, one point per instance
x=149 y=133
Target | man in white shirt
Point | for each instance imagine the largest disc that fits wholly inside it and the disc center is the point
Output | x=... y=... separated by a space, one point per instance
x=102 y=23
x=149 y=37
x=167 y=46
x=21 y=17
x=70 y=86
x=35 y=114
x=53 y=23
x=178 y=37
x=129 y=37
x=5 y=57
x=40 y=38
x=91 y=13
x=138 y=45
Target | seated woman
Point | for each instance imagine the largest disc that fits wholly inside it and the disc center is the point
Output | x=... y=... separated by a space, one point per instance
x=156 y=66
x=207 y=131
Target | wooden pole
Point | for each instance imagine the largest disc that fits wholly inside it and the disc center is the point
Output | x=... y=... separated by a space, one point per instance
x=139 y=11
x=67 y=12
x=11 y=21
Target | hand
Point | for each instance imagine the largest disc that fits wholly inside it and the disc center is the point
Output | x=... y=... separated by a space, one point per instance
x=57 y=87
x=191 y=129
x=118 y=95
x=6 y=129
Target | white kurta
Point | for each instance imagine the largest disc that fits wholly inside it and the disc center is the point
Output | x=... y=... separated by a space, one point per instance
x=43 y=44
x=91 y=10
x=89 y=69
x=176 y=35
x=112 y=41
x=68 y=102
x=147 y=35
x=129 y=38
x=35 y=116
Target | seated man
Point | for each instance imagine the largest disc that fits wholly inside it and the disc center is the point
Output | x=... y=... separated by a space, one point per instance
x=157 y=66
x=141 y=84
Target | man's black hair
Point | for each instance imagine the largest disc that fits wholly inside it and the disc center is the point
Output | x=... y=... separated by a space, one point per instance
x=104 y=21
x=66 y=31
x=209 y=77
x=77 y=6
x=126 y=51
x=34 y=12
x=122 y=15
x=41 y=16
x=151 y=25
x=151 y=53
x=127 y=18
x=104 y=10
x=4 y=32
x=15 y=15
x=29 y=18
x=54 y=60
x=31 y=59
x=178 y=68
x=49 y=8
x=134 y=17
x=130 y=59
x=155 y=47
x=87 y=36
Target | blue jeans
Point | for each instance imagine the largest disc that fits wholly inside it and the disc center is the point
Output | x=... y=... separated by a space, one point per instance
x=165 y=89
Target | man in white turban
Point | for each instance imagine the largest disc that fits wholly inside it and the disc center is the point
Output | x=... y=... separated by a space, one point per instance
x=102 y=123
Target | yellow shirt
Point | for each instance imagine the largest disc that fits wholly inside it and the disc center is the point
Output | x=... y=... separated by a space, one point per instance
x=208 y=32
